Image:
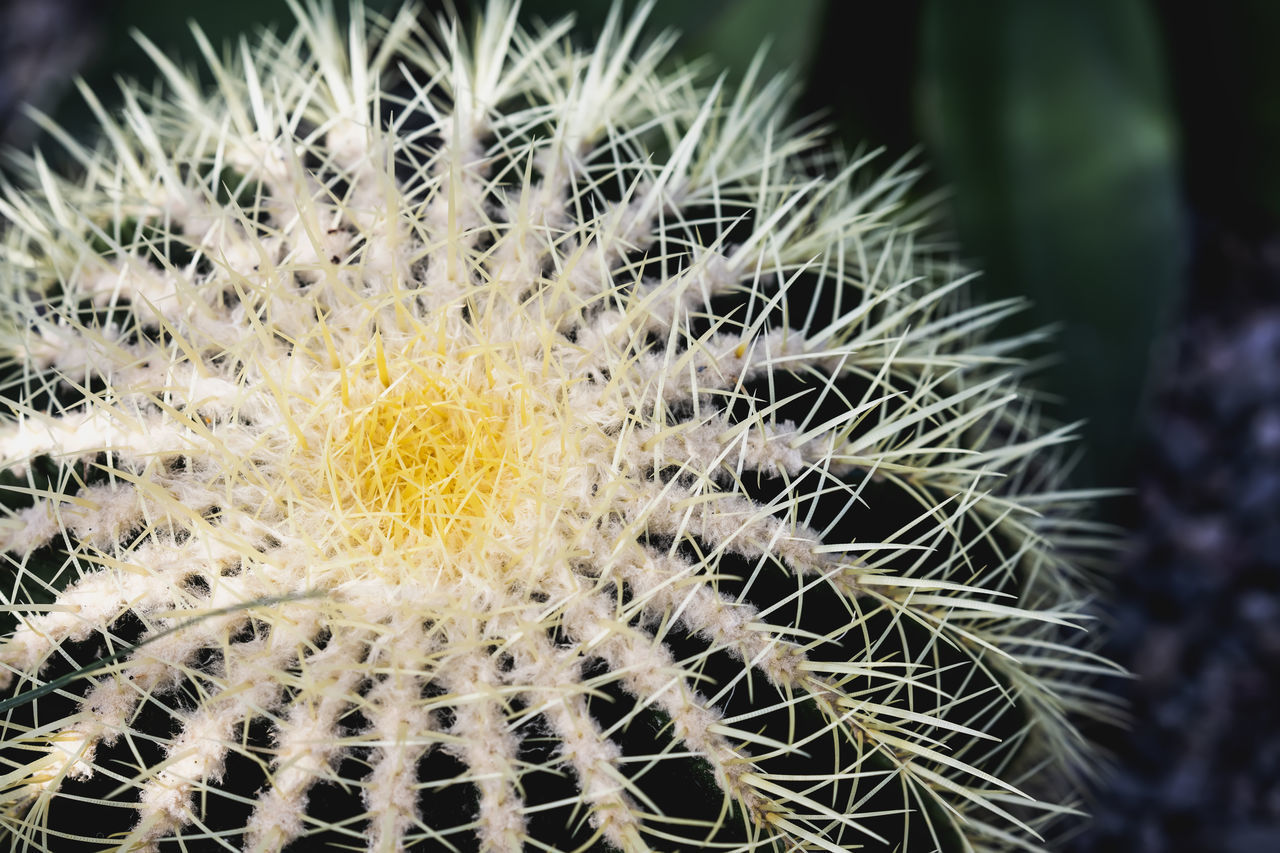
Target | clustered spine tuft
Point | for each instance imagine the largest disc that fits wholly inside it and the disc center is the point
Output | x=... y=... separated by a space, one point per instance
x=432 y=440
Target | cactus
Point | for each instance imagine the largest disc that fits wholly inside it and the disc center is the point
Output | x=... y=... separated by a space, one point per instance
x=443 y=438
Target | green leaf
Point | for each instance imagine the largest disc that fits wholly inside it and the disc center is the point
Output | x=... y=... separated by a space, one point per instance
x=1051 y=121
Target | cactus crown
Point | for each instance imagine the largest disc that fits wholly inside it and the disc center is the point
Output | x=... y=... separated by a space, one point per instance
x=463 y=441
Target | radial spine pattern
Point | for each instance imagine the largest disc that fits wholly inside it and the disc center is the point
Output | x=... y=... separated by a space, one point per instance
x=439 y=437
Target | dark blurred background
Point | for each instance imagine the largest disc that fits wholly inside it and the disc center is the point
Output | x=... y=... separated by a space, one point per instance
x=1115 y=161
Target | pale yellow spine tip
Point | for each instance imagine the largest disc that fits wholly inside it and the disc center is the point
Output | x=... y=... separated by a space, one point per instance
x=384 y=375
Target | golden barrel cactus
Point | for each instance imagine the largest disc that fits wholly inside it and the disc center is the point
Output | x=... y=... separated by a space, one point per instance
x=439 y=437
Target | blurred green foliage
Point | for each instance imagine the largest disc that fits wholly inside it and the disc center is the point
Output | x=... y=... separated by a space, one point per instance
x=1052 y=122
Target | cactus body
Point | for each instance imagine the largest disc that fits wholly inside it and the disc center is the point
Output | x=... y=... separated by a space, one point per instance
x=428 y=440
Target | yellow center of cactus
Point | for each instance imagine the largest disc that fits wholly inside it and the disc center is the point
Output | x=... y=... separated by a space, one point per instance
x=429 y=460
x=433 y=459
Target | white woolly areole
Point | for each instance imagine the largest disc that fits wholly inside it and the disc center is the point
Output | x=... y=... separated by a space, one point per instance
x=470 y=442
